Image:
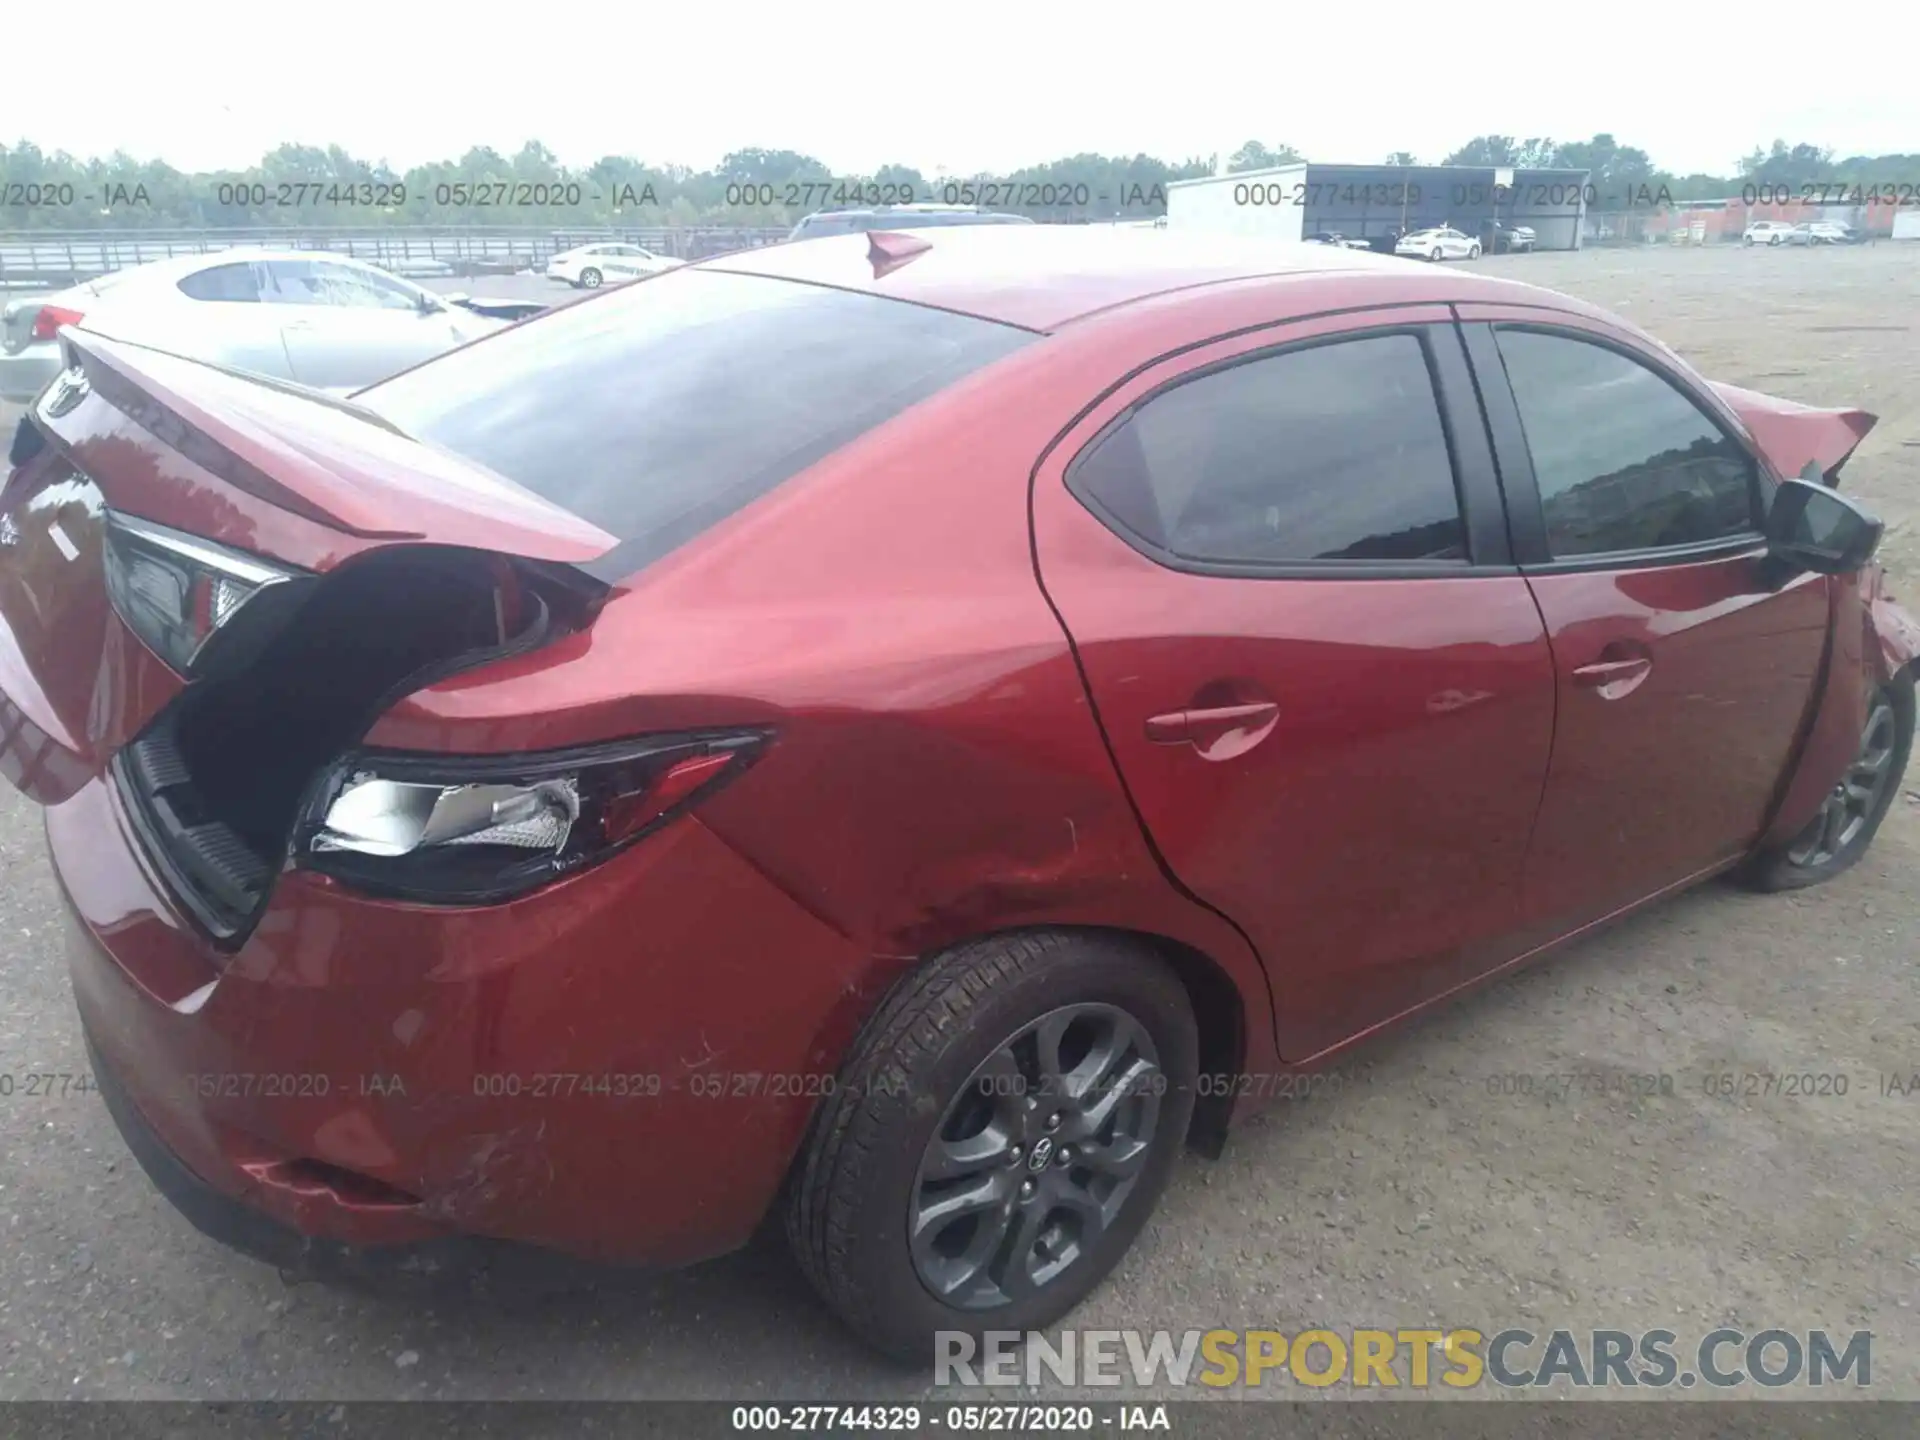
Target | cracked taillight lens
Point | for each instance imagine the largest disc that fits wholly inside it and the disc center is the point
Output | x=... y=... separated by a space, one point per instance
x=478 y=830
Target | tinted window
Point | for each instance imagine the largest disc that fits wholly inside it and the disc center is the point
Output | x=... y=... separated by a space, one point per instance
x=1333 y=452
x=663 y=407
x=223 y=282
x=1624 y=461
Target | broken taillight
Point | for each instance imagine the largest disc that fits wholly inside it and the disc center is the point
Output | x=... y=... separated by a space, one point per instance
x=477 y=830
x=51 y=318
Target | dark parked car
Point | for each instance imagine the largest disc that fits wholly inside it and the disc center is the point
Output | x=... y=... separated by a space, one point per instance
x=898 y=217
x=908 y=733
x=1516 y=238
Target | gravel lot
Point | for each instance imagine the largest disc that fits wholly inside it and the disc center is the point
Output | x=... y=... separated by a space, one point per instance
x=1412 y=1197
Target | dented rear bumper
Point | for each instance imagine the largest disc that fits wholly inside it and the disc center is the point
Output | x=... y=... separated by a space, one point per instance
x=564 y=1071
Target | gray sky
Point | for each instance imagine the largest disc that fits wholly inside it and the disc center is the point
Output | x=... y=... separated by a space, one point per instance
x=986 y=85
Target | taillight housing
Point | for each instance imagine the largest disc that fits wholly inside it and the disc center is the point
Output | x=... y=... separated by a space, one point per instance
x=183 y=595
x=51 y=317
x=477 y=830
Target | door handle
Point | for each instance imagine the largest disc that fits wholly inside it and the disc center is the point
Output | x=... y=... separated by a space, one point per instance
x=1616 y=678
x=1606 y=672
x=1178 y=726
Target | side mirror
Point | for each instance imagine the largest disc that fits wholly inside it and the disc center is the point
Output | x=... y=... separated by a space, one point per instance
x=1814 y=527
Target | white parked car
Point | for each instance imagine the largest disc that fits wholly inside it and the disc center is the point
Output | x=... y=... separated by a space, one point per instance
x=588 y=267
x=1824 y=232
x=322 y=320
x=1768 y=232
x=1442 y=242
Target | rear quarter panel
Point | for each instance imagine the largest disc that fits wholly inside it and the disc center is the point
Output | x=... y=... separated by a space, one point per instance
x=937 y=773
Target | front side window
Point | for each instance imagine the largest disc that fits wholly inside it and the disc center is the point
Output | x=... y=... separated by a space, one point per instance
x=320 y=282
x=1623 y=460
x=1328 y=452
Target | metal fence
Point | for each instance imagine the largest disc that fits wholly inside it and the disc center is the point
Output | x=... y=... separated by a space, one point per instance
x=42 y=258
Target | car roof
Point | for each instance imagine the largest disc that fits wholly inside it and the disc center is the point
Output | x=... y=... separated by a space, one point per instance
x=180 y=265
x=1041 y=277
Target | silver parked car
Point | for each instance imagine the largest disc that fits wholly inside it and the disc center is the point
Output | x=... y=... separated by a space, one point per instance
x=325 y=321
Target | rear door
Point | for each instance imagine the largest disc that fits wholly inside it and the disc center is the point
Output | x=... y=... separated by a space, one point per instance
x=1284 y=567
x=228 y=317
x=1685 y=664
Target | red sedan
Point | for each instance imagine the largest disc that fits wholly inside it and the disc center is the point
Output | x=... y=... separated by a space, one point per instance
x=908 y=729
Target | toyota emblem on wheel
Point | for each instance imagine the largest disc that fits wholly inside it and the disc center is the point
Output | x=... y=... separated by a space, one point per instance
x=1042 y=1153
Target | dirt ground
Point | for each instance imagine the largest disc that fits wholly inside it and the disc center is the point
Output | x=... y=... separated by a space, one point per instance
x=1415 y=1196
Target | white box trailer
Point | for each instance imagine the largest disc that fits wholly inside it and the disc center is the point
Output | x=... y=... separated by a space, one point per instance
x=1261 y=204
x=1906 y=223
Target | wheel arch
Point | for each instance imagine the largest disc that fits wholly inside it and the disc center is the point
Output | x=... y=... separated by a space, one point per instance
x=1220 y=1012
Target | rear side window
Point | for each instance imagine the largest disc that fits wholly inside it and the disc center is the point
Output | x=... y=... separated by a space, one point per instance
x=665 y=406
x=1623 y=460
x=223 y=282
x=1330 y=452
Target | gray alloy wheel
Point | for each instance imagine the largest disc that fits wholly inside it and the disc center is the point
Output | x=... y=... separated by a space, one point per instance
x=908 y=1207
x=1851 y=814
x=1436 y=256
x=1035 y=1156
x=590 y=278
x=1853 y=804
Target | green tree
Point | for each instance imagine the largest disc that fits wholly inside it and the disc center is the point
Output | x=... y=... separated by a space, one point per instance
x=1255 y=156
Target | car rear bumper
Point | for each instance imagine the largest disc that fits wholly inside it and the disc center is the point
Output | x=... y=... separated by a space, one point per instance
x=25 y=374
x=370 y=1077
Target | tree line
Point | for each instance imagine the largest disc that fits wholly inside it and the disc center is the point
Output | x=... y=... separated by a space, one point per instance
x=308 y=186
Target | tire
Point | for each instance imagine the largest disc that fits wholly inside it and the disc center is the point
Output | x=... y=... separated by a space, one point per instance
x=590 y=278
x=1773 y=239
x=1811 y=857
x=1436 y=256
x=1473 y=252
x=928 y=1064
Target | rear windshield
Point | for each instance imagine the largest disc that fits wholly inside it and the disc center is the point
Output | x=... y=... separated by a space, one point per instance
x=662 y=407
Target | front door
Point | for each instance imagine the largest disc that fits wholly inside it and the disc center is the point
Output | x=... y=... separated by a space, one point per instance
x=1685 y=666
x=346 y=327
x=1283 y=565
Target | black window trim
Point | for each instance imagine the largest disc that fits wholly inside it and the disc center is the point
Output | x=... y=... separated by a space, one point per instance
x=1525 y=513
x=1476 y=483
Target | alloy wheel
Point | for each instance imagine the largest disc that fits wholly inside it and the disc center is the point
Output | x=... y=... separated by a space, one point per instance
x=1035 y=1157
x=1851 y=805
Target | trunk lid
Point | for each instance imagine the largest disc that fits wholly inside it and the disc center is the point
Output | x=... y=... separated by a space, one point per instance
x=142 y=422
x=1792 y=434
x=320 y=487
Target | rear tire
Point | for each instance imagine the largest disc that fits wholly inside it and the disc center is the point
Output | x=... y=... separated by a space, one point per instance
x=1436 y=256
x=1836 y=838
x=590 y=278
x=1473 y=252
x=945 y=1078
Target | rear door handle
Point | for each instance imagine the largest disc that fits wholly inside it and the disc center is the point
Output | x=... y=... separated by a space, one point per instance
x=1178 y=726
x=1605 y=672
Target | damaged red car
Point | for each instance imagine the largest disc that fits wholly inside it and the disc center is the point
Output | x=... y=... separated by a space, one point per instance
x=905 y=732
